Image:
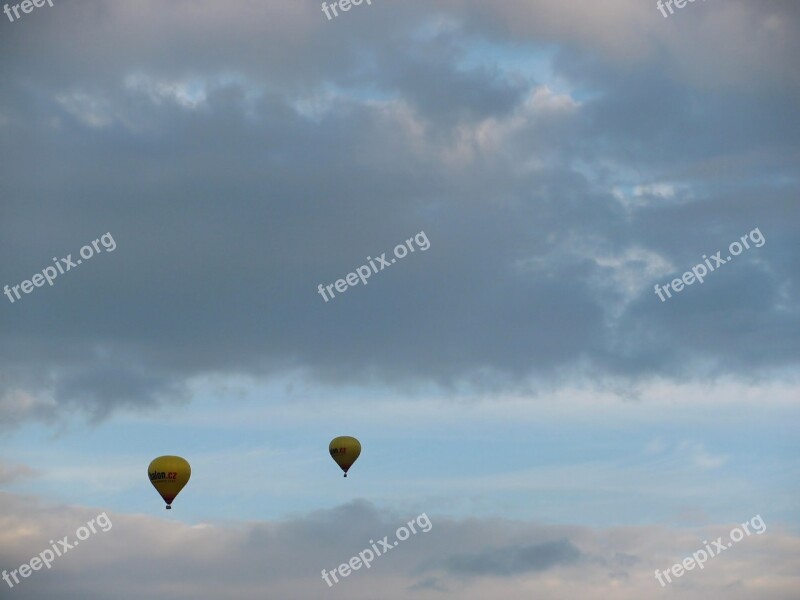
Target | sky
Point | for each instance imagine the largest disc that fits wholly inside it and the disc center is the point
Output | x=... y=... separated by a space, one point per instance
x=582 y=369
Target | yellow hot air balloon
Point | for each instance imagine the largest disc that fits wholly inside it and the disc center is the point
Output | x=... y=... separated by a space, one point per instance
x=169 y=474
x=345 y=451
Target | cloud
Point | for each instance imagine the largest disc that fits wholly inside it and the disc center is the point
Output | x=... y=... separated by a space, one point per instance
x=515 y=560
x=144 y=556
x=236 y=179
x=700 y=457
x=11 y=473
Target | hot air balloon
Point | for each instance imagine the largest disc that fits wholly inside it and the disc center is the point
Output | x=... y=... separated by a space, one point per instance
x=345 y=451
x=169 y=474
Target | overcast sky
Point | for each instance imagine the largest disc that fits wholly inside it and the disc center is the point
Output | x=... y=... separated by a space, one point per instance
x=519 y=381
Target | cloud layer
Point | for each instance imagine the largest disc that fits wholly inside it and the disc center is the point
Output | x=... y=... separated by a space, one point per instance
x=561 y=162
x=143 y=556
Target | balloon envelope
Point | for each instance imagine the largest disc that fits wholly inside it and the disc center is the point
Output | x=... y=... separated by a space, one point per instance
x=345 y=450
x=169 y=474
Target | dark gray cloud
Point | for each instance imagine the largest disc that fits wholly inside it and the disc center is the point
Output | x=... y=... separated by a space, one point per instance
x=242 y=156
x=515 y=560
x=429 y=583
